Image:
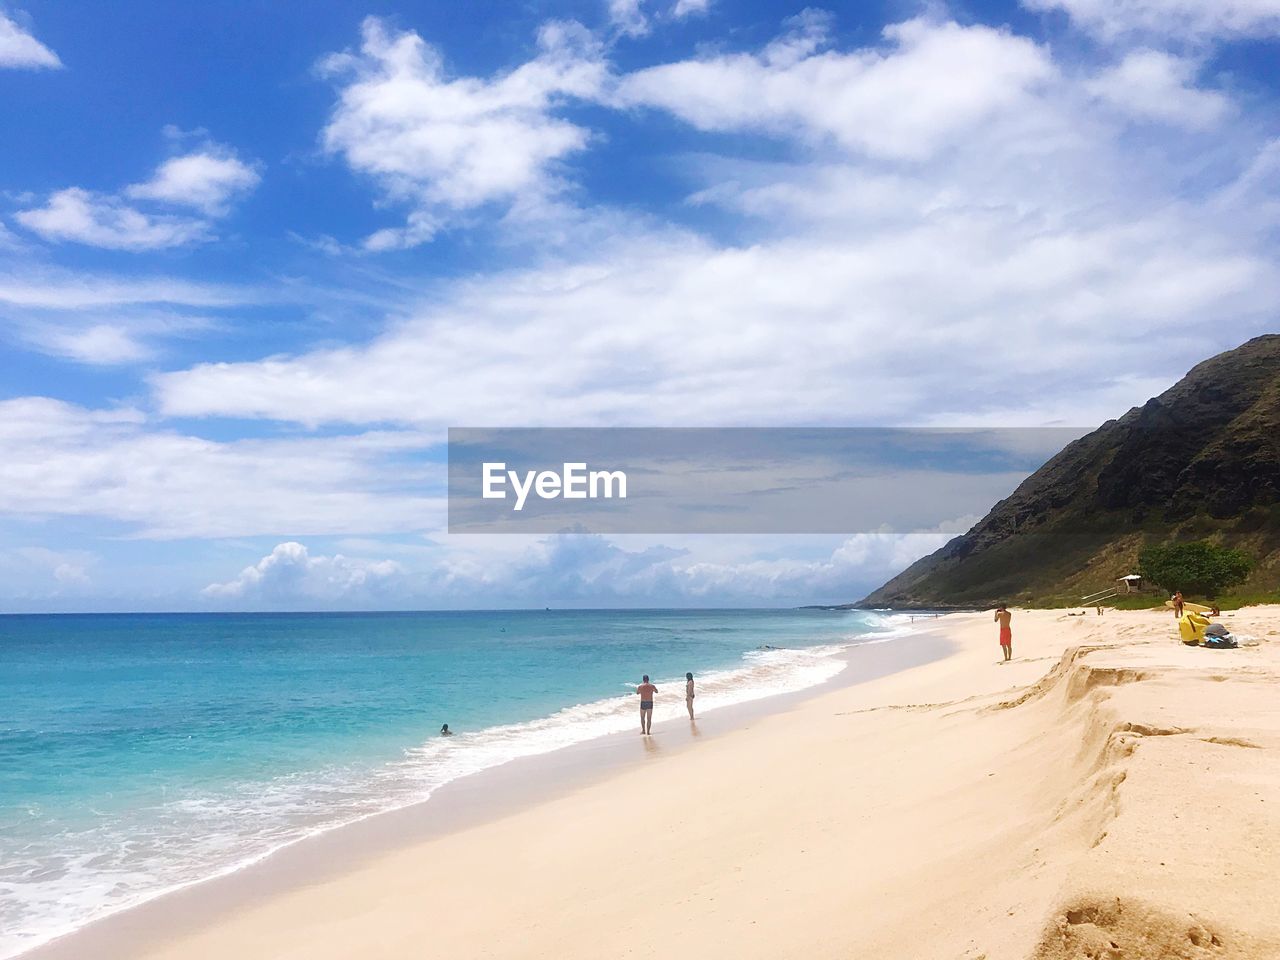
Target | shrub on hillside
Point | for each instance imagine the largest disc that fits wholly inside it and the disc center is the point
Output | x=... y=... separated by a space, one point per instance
x=1197 y=567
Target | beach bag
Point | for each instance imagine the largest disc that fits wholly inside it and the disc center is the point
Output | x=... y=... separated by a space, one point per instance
x=1221 y=643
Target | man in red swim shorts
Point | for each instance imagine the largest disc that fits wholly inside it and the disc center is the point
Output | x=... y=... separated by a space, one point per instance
x=1003 y=616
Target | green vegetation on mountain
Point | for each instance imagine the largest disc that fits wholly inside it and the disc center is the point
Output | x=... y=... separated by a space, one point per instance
x=1200 y=462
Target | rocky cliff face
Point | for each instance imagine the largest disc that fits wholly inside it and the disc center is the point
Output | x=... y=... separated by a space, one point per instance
x=1201 y=459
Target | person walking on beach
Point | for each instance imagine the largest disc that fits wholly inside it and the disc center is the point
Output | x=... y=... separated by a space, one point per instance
x=688 y=693
x=1003 y=616
x=1177 y=604
x=646 y=691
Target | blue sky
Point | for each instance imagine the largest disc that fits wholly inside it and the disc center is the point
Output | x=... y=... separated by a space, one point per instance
x=255 y=259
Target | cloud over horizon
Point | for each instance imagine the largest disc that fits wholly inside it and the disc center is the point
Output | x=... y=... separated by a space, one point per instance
x=569 y=570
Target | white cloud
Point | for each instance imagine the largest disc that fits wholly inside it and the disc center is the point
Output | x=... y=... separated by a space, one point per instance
x=38 y=572
x=290 y=573
x=96 y=220
x=576 y=569
x=101 y=344
x=206 y=180
x=791 y=331
x=70 y=573
x=627 y=17
x=61 y=460
x=103 y=320
x=922 y=280
x=45 y=289
x=441 y=146
x=1257 y=189
x=1153 y=85
x=931 y=83
x=19 y=49
x=689 y=8
x=1179 y=19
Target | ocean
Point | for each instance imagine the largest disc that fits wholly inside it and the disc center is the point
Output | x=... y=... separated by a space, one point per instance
x=141 y=753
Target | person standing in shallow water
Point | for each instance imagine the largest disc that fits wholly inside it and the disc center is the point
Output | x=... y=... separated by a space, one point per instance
x=646 y=691
x=1003 y=616
x=688 y=693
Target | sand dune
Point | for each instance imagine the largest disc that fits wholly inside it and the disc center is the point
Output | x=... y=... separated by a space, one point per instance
x=1109 y=794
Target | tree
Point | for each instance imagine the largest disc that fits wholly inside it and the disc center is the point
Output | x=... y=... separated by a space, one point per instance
x=1197 y=567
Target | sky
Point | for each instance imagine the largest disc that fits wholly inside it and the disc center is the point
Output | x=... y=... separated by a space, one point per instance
x=257 y=258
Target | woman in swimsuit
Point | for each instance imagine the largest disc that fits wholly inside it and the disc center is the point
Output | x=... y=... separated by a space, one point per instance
x=688 y=693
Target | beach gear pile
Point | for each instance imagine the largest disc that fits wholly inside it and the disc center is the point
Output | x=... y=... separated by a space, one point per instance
x=1197 y=630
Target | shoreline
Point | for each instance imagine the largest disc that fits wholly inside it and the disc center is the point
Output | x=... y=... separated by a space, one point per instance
x=459 y=804
x=1105 y=793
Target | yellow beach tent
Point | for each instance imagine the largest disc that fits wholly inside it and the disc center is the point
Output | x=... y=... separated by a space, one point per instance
x=1191 y=627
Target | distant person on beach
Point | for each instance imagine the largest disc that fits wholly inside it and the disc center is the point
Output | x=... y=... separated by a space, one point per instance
x=445 y=731
x=646 y=691
x=1003 y=616
x=1177 y=604
x=688 y=693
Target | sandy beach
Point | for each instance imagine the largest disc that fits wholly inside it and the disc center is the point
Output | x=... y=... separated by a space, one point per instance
x=1108 y=793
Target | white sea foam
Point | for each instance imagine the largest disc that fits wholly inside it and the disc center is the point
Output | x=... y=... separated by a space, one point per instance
x=195 y=836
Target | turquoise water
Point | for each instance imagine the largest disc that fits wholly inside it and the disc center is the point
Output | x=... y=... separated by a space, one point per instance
x=143 y=752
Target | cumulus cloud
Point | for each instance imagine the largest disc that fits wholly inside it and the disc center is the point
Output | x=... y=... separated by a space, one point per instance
x=715 y=349
x=206 y=180
x=290 y=574
x=895 y=272
x=1158 y=86
x=43 y=570
x=441 y=145
x=98 y=220
x=581 y=568
x=20 y=50
x=930 y=82
x=1181 y=19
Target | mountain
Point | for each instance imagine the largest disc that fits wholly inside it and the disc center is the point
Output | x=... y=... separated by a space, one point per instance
x=1202 y=460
